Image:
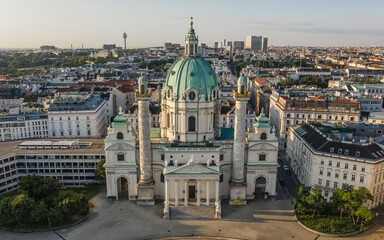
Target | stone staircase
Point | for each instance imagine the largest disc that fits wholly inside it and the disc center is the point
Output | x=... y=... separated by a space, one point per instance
x=192 y=212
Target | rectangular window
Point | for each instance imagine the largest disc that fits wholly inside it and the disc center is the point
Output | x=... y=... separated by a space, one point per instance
x=354 y=167
x=345 y=176
x=221 y=157
x=336 y=175
x=327 y=183
x=328 y=174
x=120 y=157
x=362 y=179
x=321 y=171
x=322 y=162
x=335 y=184
x=363 y=169
x=326 y=194
x=262 y=157
x=330 y=163
x=320 y=181
x=338 y=164
x=353 y=178
x=346 y=166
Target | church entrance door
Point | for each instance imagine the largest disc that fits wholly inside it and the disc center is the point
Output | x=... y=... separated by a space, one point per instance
x=122 y=188
x=192 y=190
x=260 y=185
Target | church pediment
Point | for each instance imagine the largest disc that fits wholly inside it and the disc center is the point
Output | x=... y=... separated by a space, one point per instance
x=120 y=147
x=192 y=168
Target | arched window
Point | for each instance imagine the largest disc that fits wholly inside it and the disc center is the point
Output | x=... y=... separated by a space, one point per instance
x=263 y=136
x=190 y=49
x=191 y=124
x=142 y=88
x=242 y=89
x=119 y=135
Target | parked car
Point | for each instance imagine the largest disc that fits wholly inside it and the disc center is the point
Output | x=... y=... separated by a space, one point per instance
x=285 y=167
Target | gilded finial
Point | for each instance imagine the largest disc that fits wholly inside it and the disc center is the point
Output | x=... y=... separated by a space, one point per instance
x=191 y=21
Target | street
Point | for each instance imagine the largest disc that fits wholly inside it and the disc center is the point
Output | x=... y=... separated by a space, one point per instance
x=286 y=184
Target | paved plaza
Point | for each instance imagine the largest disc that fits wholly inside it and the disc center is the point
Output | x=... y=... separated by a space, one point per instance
x=125 y=220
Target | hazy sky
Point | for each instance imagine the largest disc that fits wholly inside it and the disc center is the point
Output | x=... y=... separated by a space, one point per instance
x=31 y=23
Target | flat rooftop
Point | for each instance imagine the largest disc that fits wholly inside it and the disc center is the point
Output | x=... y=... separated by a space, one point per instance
x=96 y=146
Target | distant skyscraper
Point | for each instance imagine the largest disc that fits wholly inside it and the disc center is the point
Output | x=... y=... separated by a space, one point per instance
x=216 y=44
x=264 y=46
x=125 y=40
x=109 y=46
x=253 y=42
x=238 y=45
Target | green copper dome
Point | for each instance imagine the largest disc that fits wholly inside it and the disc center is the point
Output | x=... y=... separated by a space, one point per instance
x=242 y=79
x=262 y=122
x=191 y=72
x=143 y=79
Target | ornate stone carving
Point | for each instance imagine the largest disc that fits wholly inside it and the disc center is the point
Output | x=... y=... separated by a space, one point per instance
x=138 y=95
x=239 y=95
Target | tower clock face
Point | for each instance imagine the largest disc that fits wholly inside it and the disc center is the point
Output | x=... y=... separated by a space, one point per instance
x=192 y=96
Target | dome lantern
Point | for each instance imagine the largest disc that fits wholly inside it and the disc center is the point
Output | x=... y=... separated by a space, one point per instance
x=191 y=42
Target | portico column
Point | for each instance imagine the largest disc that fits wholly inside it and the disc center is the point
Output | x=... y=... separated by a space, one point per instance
x=185 y=192
x=217 y=191
x=166 y=191
x=198 y=193
x=176 y=192
x=207 y=193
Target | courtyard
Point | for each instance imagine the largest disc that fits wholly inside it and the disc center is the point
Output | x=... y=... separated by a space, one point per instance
x=125 y=220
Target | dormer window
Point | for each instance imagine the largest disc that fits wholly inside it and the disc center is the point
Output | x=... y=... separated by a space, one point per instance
x=119 y=135
x=357 y=154
x=346 y=152
x=332 y=150
x=263 y=136
x=340 y=151
x=192 y=96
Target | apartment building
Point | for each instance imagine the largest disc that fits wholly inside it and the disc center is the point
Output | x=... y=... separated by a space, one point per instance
x=323 y=158
x=285 y=111
x=23 y=126
x=78 y=116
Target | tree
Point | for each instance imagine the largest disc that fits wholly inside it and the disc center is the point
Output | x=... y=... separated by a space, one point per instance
x=143 y=64
x=32 y=184
x=40 y=213
x=286 y=83
x=355 y=199
x=316 y=200
x=22 y=206
x=300 y=203
x=365 y=214
x=100 y=170
x=337 y=200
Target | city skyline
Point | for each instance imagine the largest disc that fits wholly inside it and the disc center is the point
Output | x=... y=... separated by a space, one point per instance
x=151 y=23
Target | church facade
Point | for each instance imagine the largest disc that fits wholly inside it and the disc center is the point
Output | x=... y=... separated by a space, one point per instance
x=186 y=161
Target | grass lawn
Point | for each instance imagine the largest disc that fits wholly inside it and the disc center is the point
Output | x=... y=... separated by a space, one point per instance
x=331 y=224
x=89 y=191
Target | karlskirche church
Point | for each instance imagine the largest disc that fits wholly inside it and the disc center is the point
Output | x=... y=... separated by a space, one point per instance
x=188 y=162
